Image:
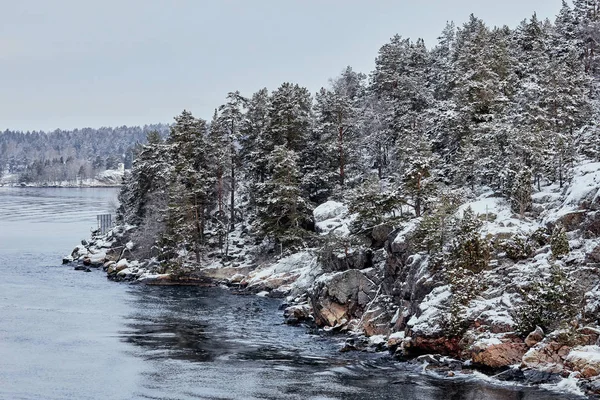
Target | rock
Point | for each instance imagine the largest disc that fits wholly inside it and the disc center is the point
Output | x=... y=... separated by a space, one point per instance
x=237 y=278
x=511 y=375
x=67 y=260
x=395 y=340
x=439 y=361
x=499 y=356
x=226 y=273
x=534 y=337
x=572 y=220
x=120 y=266
x=585 y=359
x=380 y=234
x=340 y=297
x=435 y=345
x=272 y=282
x=80 y=268
x=547 y=356
x=87 y=261
x=535 y=377
x=376 y=322
x=108 y=264
x=593 y=256
x=328 y=210
x=298 y=313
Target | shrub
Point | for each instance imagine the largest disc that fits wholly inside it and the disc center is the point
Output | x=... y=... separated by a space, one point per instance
x=517 y=248
x=548 y=303
x=559 y=244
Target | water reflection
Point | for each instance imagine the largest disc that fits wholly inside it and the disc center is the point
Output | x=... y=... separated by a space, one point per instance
x=226 y=346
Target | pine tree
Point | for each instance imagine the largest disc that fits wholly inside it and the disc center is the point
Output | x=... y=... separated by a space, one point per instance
x=283 y=214
x=192 y=190
x=469 y=251
x=559 y=243
x=256 y=143
x=521 y=192
x=231 y=119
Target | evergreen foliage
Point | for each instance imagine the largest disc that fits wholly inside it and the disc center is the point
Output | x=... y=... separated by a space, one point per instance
x=559 y=244
x=546 y=302
x=508 y=109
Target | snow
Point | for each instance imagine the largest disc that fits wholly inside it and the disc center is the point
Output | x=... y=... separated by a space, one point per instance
x=584 y=186
x=497 y=216
x=377 y=340
x=111 y=176
x=332 y=216
x=432 y=310
x=398 y=335
x=410 y=226
x=98 y=257
x=587 y=354
x=303 y=265
x=328 y=210
x=566 y=385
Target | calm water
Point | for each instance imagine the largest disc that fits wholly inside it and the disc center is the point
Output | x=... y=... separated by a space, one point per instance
x=67 y=334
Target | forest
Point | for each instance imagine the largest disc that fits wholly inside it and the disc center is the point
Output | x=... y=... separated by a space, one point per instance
x=510 y=110
x=60 y=155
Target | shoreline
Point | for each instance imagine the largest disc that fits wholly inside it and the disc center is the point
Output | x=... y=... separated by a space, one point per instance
x=110 y=253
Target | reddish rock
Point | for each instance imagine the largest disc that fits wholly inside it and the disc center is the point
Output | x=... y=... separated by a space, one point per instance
x=573 y=220
x=441 y=345
x=500 y=355
x=534 y=337
x=376 y=322
x=548 y=357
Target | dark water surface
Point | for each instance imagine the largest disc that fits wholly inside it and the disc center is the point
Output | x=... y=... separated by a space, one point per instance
x=67 y=334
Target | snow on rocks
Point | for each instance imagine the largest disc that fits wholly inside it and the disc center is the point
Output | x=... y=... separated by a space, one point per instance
x=294 y=273
x=332 y=216
x=585 y=359
x=431 y=314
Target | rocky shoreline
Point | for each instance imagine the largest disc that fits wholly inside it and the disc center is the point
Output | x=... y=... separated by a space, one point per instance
x=350 y=302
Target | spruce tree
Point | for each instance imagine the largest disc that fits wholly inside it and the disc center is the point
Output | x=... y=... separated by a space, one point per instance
x=283 y=214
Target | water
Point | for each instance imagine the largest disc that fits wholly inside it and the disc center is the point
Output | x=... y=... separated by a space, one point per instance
x=67 y=334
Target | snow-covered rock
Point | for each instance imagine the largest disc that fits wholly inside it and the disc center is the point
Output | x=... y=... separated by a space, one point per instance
x=332 y=216
x=586 y=359
x=328 y=210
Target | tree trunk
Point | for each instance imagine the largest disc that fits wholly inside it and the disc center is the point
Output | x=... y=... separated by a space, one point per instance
x=198 y=230
x=232 y=214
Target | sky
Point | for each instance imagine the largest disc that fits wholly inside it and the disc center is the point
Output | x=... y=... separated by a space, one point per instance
x=71 y=64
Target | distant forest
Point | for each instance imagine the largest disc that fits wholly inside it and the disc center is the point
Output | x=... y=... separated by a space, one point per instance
x=63 y=155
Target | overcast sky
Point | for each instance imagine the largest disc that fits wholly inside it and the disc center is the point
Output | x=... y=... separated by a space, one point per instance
x=73 y=63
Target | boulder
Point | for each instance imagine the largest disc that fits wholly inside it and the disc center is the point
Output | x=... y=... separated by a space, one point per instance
x=547 y=356
x=237 y=278
x=376 y=321
x=328 y=210
x=437 y=345
x=380 y=234
x=534 y=337
x=338 y=298
x=572 y=220
x=297 y=313
x=500 y=355
x=585 y=359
